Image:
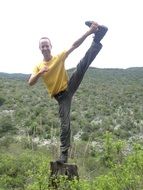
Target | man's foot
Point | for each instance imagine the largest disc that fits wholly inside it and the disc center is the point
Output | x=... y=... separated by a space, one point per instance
x=60 y=161
x=63 y=158
x=100 y=33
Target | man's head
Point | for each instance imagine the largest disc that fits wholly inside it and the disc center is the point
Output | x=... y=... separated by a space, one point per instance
x=45 y=46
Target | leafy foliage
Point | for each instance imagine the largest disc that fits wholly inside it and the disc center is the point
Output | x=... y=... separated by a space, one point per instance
x=107 y=132
x=109 y=169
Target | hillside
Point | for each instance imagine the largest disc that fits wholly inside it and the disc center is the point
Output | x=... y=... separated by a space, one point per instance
x=108 y=99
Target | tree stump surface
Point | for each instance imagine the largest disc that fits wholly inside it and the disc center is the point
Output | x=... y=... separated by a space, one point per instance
x=68 y=170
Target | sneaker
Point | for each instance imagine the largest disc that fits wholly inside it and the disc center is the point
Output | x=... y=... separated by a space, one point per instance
x=63 y=158
x=100 y=33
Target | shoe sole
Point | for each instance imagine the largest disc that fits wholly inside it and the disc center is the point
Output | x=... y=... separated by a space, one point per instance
x=88 y=23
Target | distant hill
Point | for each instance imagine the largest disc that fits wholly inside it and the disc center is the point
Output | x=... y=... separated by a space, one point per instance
x=13 y=75
x=105 y=70
x=23 y=76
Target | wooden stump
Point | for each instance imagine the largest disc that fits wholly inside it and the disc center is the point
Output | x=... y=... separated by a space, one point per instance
x=57 y=170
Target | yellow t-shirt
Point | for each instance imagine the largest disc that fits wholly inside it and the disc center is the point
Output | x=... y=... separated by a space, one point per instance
x=56 y=77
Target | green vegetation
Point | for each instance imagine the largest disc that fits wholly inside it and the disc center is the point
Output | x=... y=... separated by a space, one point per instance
x=107 y=132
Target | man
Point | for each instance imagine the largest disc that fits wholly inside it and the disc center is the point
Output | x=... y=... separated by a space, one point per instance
x=54 y=75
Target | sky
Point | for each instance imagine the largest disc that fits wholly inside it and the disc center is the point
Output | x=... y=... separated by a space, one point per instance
x=24 y=22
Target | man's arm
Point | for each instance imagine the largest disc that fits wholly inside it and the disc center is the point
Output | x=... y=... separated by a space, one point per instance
x=34 y=77
x=77 y=43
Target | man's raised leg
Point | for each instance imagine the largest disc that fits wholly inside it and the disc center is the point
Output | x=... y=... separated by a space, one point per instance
x=90 y=55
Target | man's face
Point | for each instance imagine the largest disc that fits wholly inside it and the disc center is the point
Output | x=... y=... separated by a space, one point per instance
x=45 y=47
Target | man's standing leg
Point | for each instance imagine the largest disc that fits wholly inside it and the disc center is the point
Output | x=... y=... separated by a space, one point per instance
x=64 y=102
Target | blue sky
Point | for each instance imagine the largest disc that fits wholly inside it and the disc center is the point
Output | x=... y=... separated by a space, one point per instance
x=23 y=22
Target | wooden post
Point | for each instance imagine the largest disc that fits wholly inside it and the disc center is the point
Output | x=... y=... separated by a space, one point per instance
x=57 y=170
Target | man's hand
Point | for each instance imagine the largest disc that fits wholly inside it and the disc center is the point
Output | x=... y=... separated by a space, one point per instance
x=34 y=78
x=93 y=27
x=43 y=70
